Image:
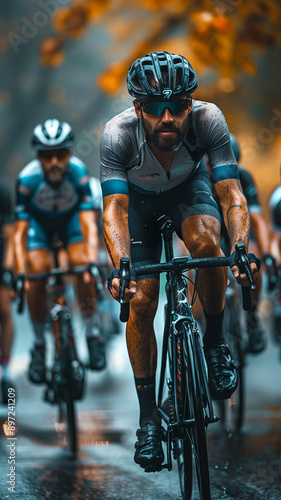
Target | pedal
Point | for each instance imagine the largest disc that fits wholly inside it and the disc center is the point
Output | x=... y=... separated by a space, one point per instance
x=213 y=420
x=155 y=468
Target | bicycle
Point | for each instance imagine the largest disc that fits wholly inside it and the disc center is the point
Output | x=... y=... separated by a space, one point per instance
x=65 y=378
x=188 y=410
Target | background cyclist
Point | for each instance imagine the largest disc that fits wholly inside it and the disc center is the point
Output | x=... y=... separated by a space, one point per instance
x=54 y=198
x=274 y=208
x=150 y=167
x=259 y=244
x=6 y=263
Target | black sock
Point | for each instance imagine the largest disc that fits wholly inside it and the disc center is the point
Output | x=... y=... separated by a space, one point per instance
x=213 y=334
x=146 y=394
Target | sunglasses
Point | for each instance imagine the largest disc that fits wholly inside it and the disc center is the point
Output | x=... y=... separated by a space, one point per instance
x=157 y=108
x=60 y=154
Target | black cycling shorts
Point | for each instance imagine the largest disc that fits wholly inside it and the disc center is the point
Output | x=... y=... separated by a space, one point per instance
x=192 y=197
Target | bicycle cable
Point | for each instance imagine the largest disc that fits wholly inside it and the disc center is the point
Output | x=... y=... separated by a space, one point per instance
x=194 y=283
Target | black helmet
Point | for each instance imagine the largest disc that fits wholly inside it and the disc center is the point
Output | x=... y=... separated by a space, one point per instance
x=235 y=147
x=52 y=135
x=161 y=74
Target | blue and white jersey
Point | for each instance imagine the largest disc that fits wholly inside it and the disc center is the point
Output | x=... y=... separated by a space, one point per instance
x=37 y=198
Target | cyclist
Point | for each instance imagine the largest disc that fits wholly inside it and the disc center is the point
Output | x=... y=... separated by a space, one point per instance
x=258 y=244
x=6 y=264
x=274 y=207
x=54 y=198
x=150 y=157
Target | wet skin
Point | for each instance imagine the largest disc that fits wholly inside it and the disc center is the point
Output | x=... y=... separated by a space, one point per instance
x=201 y=235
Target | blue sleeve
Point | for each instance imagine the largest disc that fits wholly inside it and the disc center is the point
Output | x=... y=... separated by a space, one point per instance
x=224 y=172
x=114 y=186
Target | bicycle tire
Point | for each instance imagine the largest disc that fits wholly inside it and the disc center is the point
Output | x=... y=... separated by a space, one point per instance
x=183 y=446
x=66 y=359
x=197 y=434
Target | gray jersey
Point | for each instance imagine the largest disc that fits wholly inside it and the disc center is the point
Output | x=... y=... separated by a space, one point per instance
x=126 y=156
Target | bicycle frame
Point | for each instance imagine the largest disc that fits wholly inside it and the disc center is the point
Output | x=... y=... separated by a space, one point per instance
x=58 y=306
x=190 y=407
x=178 y=312
x=66 y=378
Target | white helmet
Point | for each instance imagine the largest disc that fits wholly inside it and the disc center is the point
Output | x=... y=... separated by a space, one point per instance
x=52 y=135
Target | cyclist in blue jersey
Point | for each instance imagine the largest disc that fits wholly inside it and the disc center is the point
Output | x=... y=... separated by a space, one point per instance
x=150 y=168
x=54 y=200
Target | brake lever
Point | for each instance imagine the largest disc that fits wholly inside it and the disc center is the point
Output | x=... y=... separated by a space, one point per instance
x=124 y=283
x=243 y=263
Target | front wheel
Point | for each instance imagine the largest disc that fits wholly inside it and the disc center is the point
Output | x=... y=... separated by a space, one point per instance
x=184 y=462
x=182 y=445
x=66 y=355
x=195 y=400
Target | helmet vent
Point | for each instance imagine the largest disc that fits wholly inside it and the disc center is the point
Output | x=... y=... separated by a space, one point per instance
x=157 y=72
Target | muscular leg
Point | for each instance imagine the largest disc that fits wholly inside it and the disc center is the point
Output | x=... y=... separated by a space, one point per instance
x=142 y=347
x=7 y=330
x=7 y=327
x=86 y=292
x=141 y=342
x=38 y=262
x=201 y=234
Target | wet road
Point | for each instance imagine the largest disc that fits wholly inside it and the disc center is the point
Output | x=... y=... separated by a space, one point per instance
x=244 y=466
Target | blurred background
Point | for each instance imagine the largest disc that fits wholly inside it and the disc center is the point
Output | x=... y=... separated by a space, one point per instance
x=69 y=59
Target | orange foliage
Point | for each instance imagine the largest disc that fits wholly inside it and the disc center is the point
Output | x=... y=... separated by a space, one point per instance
x=73 y=20
x=112 y=78
x=51 y=51
x=222 y=35
x=174 y=7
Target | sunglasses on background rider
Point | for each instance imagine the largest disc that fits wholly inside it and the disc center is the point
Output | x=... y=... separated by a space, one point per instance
x=60 y=154
x=157 y=108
